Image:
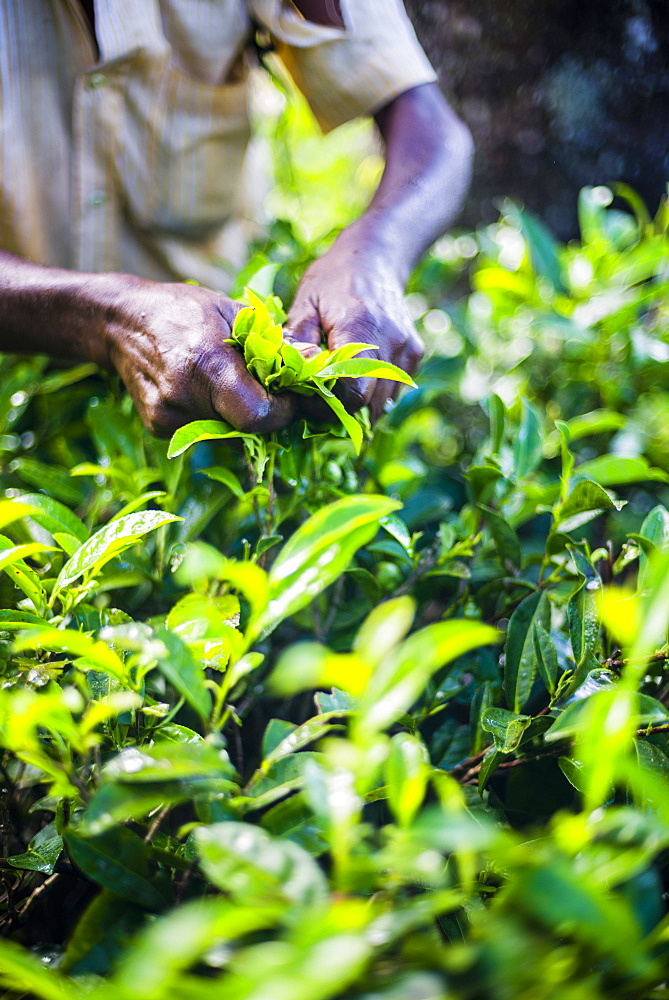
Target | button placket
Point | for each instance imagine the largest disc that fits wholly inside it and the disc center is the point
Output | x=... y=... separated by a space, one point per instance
x=95 y=225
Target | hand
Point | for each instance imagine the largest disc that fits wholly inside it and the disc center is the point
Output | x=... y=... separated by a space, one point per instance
x=348 y=296
x=166 y=342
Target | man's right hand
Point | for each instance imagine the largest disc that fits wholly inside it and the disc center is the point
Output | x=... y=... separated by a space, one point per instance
x=165 y=340
x=167 y=343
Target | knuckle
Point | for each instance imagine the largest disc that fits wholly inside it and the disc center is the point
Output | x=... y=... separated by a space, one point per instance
x=153 y=419
x=415 y=351
x=251 y=421
x=355 y=396
x=360 y=325
x=369 y=324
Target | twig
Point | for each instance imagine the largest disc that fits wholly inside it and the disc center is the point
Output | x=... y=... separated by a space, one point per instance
x=470 y=762
x=36 y=893
x=426 y=562
x=239 y=747
x=616 y=663
x=184 y=882
x=474 y=764
x=153 y=829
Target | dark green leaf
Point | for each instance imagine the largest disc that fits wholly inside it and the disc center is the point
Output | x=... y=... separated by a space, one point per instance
x=505 y=538
x=546 y=656
x=335 y=701
x=584 y=620
x=101 y=935
x=275 y=733
x=283 y=777
x=586 y=499
x=491 y=761
x=507 y=728
x=43 y=852
x=520 y=667
x=119 y=860
x=527 y=447
x=570 y=722
x=226 y=477
x=293 y=819
x=497 y=413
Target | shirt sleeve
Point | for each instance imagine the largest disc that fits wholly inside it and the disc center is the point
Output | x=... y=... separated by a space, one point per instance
x=347 y=72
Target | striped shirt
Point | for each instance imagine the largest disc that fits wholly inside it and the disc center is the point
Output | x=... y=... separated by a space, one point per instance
x=131 y=159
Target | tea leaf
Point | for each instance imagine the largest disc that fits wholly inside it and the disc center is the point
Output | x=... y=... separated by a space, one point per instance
x=319 y=552
x=109 y=541
x=520 y=667
x=119 y=860
x=200 y=430
x=507 y=728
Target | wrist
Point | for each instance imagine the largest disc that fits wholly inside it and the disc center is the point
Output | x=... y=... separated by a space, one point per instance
x=371 y=243
x=105 y=307
x=66 y=314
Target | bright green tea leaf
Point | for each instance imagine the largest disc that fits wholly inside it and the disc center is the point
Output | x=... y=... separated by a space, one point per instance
x=200 y=430
x=319 y=551
x=109 y=541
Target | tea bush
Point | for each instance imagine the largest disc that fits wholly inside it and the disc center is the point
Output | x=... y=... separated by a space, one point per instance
x=281 y=720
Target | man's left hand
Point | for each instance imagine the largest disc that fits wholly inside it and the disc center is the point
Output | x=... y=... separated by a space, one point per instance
x=348 y=296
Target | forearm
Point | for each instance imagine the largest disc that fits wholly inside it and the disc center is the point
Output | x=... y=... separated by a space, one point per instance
x=168 y=342
x=53 y=311
x=428 y=169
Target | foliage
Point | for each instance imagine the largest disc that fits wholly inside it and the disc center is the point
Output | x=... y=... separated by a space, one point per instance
x=281 y=720
x=281 y=367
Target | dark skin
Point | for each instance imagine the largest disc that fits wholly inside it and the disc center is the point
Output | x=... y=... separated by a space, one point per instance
x=166 y=339
x=355 y=291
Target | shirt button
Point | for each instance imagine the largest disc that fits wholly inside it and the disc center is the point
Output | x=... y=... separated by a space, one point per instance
x=97 y=199
x=96 y=80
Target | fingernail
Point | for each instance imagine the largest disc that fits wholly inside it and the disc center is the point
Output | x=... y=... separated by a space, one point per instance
x=306 y=350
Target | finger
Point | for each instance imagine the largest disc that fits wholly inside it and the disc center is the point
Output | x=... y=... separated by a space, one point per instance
x=355 y=392
x=227 y=309
x=315 y=410
x=412 y=354
x=306 y=350
x=409 y=361
x=159 y=417
x=165 y=420
x=385 y=390
x=237 y=397
x=307 y=330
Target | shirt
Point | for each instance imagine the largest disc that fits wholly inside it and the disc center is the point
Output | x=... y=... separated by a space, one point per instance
x=132 y=160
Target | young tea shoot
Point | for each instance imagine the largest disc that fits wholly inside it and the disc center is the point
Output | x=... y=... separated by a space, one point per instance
x=281 y=367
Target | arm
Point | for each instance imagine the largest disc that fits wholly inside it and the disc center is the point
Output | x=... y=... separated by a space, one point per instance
x=165 y=341
x=355 y=291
